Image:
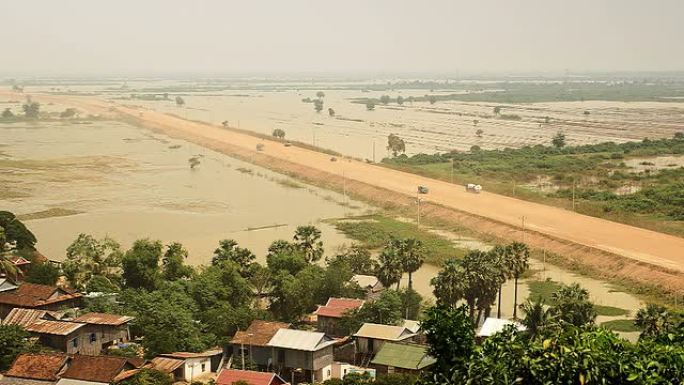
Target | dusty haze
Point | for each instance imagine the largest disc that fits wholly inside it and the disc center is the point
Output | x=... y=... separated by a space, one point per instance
x=170 y=36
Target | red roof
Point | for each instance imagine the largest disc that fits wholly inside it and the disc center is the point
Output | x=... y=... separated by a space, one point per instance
x=37 y=366
x=34 y=295
x=97 y=368
x=336 y=307
x=231 y=376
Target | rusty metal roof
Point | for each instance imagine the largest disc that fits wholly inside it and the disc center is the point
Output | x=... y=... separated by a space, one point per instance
x=184 y=355
x=166 y=364
x=103 y=319
x=337 y=307
x=258 y=333
x=44 y=367
x=34 y=295
x=23 y=317
x=96 y=368
x=61 y=328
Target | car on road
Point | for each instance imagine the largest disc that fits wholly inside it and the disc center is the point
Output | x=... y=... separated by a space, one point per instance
x=474 y=188
x=423 y=190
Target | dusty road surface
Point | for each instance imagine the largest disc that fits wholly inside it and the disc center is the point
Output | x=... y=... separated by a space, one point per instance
x=662 y=250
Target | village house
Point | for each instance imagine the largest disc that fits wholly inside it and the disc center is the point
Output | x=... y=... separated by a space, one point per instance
x=99 y=370
x=42 y=297
x=250 y=347
x=334 y=310
x=35 y=369
x=370 y=284
x=188 y=367
x=370 y=338
x=302 y=356
x=231 y=376
x=91 y=333
x=402 y=358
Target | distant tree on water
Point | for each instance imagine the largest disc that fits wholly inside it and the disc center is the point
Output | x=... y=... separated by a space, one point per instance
x=395 y=144
x=400 y=100
x=558 y=140
x=497 y=110
x=194 y=162
x=479 y=132
x=320 y=94
x=7 y=113
x=180 y=101
x=279 y=133
x=432 y=99
x=384 y=99
x=331 y=112
x=318 y=105
x=68 y=113
x=370 y=105
x=31 y=109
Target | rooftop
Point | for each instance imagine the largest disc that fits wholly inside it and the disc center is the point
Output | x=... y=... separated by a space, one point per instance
x=492 y=326
x=384 y=332
x=103 y=319
x=337 y=307
x=166 y=364
x=259 y=333
x=300 y=340
x=405 y=356
x=43 y=367
x=231 y=376
x=34 y=295
x=184 y=355
x=365 y=281
x=61 y=328
x=97 y=368
x=23 y=317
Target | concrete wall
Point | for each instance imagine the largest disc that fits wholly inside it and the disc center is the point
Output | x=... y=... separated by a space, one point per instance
x=196 y=367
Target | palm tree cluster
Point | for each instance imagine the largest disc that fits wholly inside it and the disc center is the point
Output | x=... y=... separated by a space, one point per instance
x=570 y=305
x=478 y=277
x=400 y=256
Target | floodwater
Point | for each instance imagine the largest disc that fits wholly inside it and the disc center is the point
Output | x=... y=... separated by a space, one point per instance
x=130 y=183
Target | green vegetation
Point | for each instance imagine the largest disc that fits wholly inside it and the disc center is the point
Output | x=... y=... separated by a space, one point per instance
x=13 y=341
x=375 y=231
x=594 y=174
x=621 y=325
x=544 y=290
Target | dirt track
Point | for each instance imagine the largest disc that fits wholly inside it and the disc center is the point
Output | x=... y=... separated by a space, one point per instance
x=612 y=249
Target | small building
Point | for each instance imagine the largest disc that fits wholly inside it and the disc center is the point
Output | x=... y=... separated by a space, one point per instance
x=402 y=358
x=369 y=283
x=35 y=369
x=335 y=309
x=99 y=370
x=250 y=347
x=231 y=376
x=370 y=338
x=185 y=366
x=302 y=356
x=341 y=369
x=41 y=297
x=61 y=335
x=106 y=329
x=493 y=325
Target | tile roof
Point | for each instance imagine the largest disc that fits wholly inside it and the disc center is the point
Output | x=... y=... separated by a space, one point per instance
x=384 y=332
x=405 y=356
x=494 y=325
x=300 y=340
x=61 y=328
x=103 y=319
x=337 y=307
x=166 y=364
x=44 y=367
x=231 y=376
x=258 y=333
x=34 y=295
x=95 y=368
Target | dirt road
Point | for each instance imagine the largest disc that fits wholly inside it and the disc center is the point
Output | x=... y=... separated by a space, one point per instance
x=638 y=244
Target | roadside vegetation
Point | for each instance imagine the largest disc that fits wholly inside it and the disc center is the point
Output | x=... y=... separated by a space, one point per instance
x=596 y=176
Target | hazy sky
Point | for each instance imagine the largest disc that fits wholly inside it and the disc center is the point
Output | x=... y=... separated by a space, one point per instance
x=91 y=36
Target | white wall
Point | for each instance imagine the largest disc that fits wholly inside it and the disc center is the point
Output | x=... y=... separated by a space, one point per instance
x=193 y=368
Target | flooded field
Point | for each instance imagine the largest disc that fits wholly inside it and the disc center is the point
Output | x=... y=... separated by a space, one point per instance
x=109 y=178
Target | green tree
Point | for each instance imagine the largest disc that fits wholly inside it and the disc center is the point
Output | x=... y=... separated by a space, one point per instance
x=396 y=379
x=400 y=100
x=386 y=309
x=68 y=113
x=653 y=320
x=370 y=105
x=331 y=112
x=141 y=265
x=220 y=284
x=572 y=305
x=180 y=101
x=13 y=341
x=279 y=133
x=308 y=240
x=88 y=257
x=558 y=140
x=395 y=144
x=451 y=340
x=517 y=261
x=320 y=94
x=497 y=110
x=411 y=303
x=537 y=316
x=173 y=263
x=385 y=99
x=31 y=110
x=16 y=233
x=412 y=255
x=318 y=105
x=390 y=267
x=7 y=113
x=43 y=274
x=229 y=250
x=358 y=258
x=432 y=99
x=148 y=376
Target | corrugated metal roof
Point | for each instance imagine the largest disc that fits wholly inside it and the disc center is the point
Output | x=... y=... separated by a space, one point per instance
x=103 y=319
x=72 y=381
x=300 y=340
x=183 y=355
x=258 y=333
x=384 y=332
x=231 y=376
x=494 y=325
x=34 y=295
x=23 y=317
x=166 y=364
x=96 y=368
x=61 y=328
x=405 y=356
x=37 y=366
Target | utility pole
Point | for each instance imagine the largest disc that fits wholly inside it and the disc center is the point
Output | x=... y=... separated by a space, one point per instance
x=573 y=194
x=523 y=229
x=373 y=150
x=418 y=200
x=452 y=170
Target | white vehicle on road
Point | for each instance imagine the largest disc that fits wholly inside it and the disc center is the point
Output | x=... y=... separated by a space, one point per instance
x=476 y=188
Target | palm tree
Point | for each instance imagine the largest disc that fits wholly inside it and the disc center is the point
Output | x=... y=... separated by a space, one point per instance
x=307 y=239
x=390 y=270
x=519 y=256
x=654 y=320
x=537 y=316
x=501 y=255
x=572 y=305
x=412 y=257
x=449 y=285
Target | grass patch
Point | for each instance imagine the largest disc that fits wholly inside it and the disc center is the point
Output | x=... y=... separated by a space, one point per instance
x=49 y=213
x=542 y=290
x=610 y=311
x=375 y=230
x=289 y=183
x=621 y=325
x=245 y=170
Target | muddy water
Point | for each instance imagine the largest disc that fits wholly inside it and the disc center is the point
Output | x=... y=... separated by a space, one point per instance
x=129 y=183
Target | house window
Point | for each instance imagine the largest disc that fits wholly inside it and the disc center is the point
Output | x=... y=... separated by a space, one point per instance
x=204 y=367
x=74 y=342
x=93 y=337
